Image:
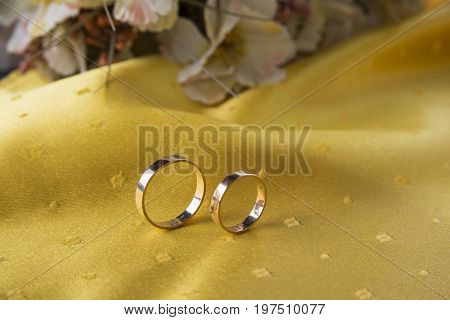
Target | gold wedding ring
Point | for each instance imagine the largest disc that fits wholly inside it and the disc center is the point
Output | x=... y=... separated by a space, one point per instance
x=189 y=211
x=255 y=213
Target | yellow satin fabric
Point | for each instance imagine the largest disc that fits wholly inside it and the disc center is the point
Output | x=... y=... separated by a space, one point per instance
x=373 y=218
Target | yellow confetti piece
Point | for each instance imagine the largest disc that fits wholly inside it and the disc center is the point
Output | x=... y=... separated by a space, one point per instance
x=384 y=237
x=291 y=222
x=90 y=276
x=400 y=181
x=16 y=97
x=325 y=256
x=140 y=224
x=348 y=200
x=437 y=46
x=262 y=173
x=424 y=273
x=96 y=124
x=16 y=295
x=54 y=205
x=262 y=273
x=82 y=91
x=118 y=180
x=229 y=238
x=320 y=149
x=36 y=152
x=364 y=294
x=72 y=241
x=163 y=257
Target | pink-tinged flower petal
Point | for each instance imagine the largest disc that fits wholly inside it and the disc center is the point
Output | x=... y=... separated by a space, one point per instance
x=259 y=61
x=147 y=14
x=20 y=38
x=165 y=21
x=38 y=22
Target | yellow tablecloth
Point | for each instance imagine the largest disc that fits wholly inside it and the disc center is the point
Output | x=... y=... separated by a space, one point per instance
x=372 y=221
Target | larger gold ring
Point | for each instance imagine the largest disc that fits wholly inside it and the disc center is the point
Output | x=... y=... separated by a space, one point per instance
x=257 y=210
x=189 y=211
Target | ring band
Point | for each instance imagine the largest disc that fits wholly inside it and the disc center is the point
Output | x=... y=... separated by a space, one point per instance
x=257 y=210
x=189 y=211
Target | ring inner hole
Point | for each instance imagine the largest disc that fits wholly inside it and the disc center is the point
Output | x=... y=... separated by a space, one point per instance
x=170 y=191
x=238 y=201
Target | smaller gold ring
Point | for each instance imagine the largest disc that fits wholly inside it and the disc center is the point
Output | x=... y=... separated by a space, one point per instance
x=193 y=207
x=257 y=210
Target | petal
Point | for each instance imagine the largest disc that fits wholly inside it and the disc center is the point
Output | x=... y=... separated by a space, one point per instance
x=340 y=8
x=78 y=44
x=154 y=15
x=85 y=3
x=61 y=60
x=21 y=37
x=135 y=12
x=64 y=57
x=196 y=67
x=183 y=43
x=216 y=69
x=217 y=27
x=343 y=20
x=212 y=84
x=227 y=24
x=309 y=37
x=162 y=7
x=165 y=22
x=276 y=76
x=260 y=60
x=265 y=8
x=207 y=91
x=49 y=16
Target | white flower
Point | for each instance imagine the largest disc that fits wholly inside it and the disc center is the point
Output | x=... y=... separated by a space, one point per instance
x=343 y=19
x=382 y=11
x=239 y=51
x=84 y=3
x=309 y=37
x=324 y=23
x=21 y=35
x=37 y=22
x=147 y=15
x=330 y=21
x=65 y=56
